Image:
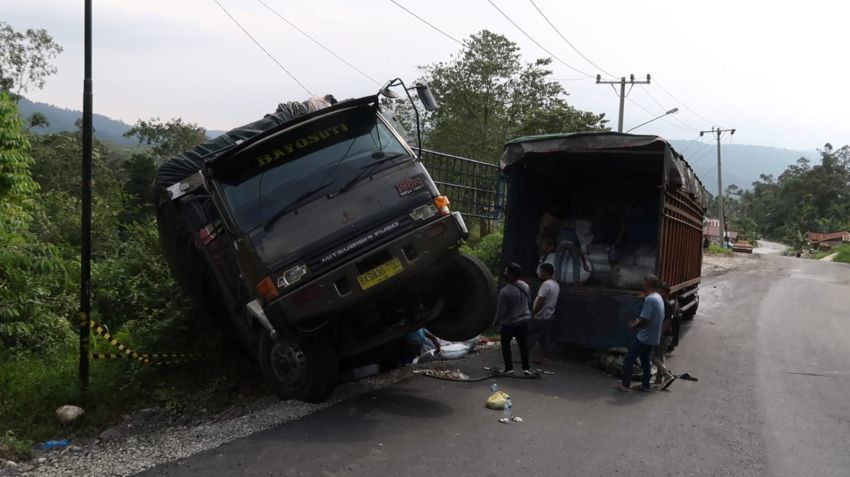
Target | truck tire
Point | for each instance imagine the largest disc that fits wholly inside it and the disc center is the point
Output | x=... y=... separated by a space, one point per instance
x=470 y=294
x=299 y=367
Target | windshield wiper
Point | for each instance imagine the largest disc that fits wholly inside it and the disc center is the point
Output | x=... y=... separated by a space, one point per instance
x=294 y=204
x=367 y=170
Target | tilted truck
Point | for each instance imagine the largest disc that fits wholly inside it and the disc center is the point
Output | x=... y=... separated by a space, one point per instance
x=625 y=206
x=319 y=235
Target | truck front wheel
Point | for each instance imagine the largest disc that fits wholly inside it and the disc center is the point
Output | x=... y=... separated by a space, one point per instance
x=469 y=291
x=299 y=367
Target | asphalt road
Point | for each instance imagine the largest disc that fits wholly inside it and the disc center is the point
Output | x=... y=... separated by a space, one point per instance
x=770 y=346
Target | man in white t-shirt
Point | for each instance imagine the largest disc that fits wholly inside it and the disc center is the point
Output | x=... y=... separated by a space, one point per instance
x=543 y=311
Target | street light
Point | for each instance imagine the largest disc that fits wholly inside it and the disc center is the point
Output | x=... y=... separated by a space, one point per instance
x=672 y=111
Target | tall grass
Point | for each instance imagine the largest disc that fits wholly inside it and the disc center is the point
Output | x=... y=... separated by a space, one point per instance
x=33 y=387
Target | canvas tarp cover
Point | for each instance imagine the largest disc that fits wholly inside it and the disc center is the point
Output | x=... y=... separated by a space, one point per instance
x=677 y=172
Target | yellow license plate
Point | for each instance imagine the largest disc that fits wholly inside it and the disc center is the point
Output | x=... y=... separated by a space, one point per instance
x=380 y=273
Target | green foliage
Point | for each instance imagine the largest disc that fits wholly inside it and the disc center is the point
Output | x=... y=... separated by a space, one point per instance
x=489 y=251
x=25 y=58
x=31 y=273
x=134 y=292
x=714 y=249
x=842 y=254
x=804 y=198
x=15 y=180
x=487 y=96
x=35 y=386
x=167 y=138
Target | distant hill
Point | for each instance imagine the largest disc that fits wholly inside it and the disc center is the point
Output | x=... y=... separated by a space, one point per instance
x=62 y=119
x=742 y=163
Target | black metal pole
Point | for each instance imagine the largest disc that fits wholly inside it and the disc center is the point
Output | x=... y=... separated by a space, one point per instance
x=85 y=249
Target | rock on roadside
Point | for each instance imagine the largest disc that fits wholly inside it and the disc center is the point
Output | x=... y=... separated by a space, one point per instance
x=68 y=414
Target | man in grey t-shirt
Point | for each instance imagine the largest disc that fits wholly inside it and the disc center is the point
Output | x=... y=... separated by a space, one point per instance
x=512 y=314
x=648 y=325
x=543 y=312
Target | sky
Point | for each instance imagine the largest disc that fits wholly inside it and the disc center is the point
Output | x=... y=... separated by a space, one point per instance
x=769 y=69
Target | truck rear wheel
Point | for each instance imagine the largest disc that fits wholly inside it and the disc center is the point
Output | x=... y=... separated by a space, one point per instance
x=299 y=367
x=470 y=295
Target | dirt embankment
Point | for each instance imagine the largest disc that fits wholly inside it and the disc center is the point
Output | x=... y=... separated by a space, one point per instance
x=713 y=265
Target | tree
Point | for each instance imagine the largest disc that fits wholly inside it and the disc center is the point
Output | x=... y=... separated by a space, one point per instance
x=806 y=197
x=25 y=59
x=30 y=272
x=38 y=120
x=488 y=96
x=167 y=138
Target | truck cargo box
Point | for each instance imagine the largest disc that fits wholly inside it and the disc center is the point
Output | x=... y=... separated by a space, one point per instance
x=631 y=202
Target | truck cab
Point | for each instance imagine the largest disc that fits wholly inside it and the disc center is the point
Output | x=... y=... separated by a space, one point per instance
x=324 y=237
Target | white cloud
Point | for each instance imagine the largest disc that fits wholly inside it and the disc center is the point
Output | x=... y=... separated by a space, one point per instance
x=762 y=67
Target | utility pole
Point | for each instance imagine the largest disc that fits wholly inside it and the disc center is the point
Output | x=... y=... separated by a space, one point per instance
x=85 y=248
x=721 y=207
x=622 y=82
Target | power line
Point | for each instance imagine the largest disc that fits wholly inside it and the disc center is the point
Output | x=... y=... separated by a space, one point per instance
x=683 y=104
x=568 y=41
x=428 y=23
x=664 y=108
x=700 y=154
x=535 y=41
x=261 y=2
x=261 y=47
x=651 y=113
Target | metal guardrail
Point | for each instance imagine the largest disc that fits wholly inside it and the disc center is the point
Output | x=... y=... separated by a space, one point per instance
x=476 y=189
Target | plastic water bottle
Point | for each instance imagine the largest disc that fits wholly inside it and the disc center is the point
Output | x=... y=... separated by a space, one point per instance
x=494 y=387
x=508 y=406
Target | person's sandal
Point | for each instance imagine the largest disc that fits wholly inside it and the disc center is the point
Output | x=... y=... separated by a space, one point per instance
x=620 y=387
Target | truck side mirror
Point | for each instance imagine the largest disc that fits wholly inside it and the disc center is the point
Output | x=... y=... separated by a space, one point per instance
x=426 y=97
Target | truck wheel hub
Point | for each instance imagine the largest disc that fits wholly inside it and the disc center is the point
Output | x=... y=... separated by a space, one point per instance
x=289 y=363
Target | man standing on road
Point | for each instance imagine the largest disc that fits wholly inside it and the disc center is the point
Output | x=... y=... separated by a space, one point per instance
x=663 y=375
x=543 y=311
x=648 y=325
x=512 y=314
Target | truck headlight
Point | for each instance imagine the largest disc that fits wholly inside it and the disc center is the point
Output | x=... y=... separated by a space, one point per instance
x=424 y=212
x=292 y=276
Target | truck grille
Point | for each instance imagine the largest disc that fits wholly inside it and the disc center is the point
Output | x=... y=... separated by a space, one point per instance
x=349 y=248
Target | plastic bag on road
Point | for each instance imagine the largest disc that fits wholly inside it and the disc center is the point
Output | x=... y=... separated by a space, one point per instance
x=497 y=400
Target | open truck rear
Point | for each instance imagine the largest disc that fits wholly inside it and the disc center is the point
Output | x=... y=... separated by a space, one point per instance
x=634 y=206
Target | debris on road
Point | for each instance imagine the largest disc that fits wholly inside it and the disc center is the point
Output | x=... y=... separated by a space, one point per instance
x=497 y=401
x=50 y=445
x=448 y=374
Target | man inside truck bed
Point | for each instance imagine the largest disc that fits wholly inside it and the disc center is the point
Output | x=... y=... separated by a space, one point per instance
x=648 y=324
x=543 y=311
x=512 y=314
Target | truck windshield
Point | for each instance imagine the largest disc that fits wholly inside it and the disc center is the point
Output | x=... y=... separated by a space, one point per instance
x=344 y=151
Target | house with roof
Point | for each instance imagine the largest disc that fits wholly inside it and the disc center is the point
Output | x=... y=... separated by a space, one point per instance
x=711 y=232
x=826 y=241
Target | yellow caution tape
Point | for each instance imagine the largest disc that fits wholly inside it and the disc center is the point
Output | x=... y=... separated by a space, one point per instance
x=127 y=353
